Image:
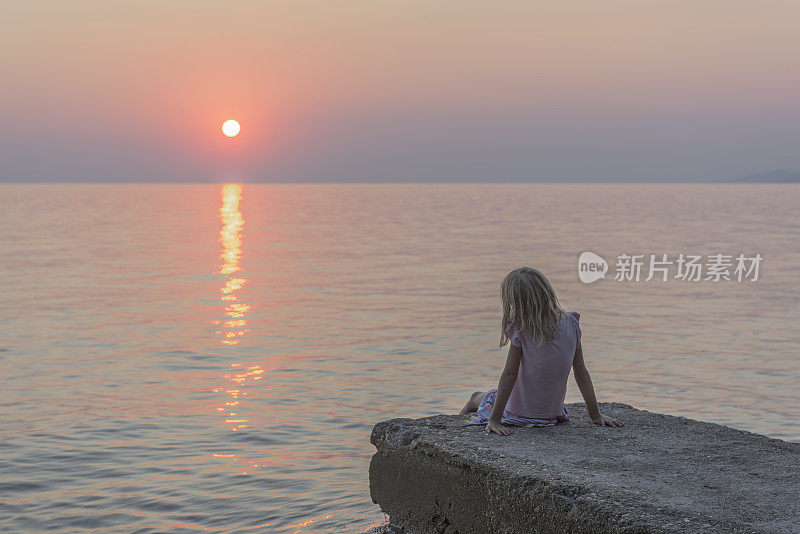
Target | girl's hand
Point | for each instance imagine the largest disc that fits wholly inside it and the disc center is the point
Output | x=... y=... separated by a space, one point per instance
x=604 y=420
x=497 y=428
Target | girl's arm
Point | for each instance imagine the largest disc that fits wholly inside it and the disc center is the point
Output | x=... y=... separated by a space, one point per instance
x=507 y=381
x=587 y=390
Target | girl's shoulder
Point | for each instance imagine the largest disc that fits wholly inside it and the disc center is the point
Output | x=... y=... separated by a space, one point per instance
x=514 y=335
x=575 y=317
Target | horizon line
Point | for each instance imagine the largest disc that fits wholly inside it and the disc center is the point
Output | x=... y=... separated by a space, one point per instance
x=388 y=182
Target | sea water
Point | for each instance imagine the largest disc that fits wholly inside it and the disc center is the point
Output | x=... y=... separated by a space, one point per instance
x=211 y=358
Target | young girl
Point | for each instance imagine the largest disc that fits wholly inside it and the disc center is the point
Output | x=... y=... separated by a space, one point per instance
x=545 y=343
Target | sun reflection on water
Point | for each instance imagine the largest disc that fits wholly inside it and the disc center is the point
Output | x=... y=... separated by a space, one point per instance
x=230 y=236
x=234 y=326
x=243 y=378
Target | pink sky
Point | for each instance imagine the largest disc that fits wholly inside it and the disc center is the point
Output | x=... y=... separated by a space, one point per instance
x=410 y=90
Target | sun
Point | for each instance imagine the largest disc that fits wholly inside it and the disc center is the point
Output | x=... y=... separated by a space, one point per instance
x=231 y=128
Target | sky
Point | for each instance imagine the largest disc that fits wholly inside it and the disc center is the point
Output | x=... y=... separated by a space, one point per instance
x=407 y=90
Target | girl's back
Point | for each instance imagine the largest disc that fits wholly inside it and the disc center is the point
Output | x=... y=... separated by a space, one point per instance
x=543 y=371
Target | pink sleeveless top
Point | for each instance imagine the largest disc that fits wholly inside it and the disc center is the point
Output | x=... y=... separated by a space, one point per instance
x=542 y=378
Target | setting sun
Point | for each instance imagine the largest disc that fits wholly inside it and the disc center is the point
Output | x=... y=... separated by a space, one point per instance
x=230 y=128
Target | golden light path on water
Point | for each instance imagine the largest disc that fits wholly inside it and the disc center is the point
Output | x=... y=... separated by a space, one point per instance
x=231 y=238
x=231 y=329
x=234 y=325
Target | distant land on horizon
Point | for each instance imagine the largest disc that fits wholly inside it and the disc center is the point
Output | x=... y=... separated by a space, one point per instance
x=778 y=175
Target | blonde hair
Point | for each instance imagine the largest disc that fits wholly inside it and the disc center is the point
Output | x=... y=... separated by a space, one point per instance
x=530 y=304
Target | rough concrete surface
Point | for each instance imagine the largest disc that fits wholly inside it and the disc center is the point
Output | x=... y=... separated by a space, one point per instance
x=659 y=473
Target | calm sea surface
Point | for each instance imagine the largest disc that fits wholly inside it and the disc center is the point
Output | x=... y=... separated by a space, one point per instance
x=187 y=358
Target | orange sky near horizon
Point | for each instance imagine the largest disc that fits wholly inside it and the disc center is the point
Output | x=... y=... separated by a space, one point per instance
x=156 y=79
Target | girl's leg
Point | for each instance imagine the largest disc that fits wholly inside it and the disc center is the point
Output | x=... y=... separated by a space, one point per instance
x=473 y=402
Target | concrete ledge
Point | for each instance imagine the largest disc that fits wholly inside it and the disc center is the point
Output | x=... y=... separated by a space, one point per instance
x=657 y=474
